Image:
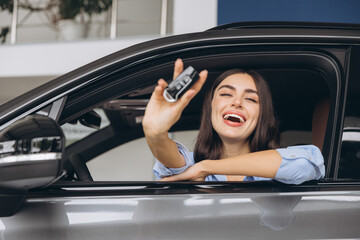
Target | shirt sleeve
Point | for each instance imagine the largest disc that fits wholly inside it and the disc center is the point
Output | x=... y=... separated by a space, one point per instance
x=300 y=164
x=161 y=171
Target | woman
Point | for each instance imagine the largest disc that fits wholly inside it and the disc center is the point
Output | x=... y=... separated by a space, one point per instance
x=238 y=130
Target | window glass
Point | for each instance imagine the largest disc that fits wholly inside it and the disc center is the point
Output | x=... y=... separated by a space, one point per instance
x=44 y=20
x=142 y=17
x=350 y=150
x=44 y=111
x=51 y=21
x=85 y=125
x=5 y=23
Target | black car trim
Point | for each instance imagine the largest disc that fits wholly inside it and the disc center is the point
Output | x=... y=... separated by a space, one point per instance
x=83 y=189
x=353 y=75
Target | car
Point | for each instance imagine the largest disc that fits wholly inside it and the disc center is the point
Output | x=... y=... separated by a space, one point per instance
x=48 y=187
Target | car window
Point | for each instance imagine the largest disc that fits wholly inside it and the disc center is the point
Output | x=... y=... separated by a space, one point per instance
x=85 y=125
x=350 y=149
x=349 y=167
x=132 y=161
x=122 y=97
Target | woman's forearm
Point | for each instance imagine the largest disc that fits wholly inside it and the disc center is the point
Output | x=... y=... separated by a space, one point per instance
x=262 y=164
x=165 y=150
x=291 y=165
x=160 y=115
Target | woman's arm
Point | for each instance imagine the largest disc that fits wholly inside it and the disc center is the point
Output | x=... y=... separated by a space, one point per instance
x=161 y=115
x=262 y=164
x=292 y=165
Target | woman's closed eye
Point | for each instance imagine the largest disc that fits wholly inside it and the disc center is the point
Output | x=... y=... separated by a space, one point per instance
x=225 y=94
x=252 y=100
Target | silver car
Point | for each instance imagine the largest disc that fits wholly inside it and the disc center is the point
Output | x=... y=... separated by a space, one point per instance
x=56 y=139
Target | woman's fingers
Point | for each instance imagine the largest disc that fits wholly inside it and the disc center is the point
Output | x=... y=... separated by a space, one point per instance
x=190 y=94
x=194 y=173
x=159 y=89
x=169 y=179
x=178 y=68
x=200 y=82
x=197 y=85
x=180 y=177
x=179 y=106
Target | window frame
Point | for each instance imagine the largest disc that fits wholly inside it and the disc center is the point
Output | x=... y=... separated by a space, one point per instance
x=318 y=59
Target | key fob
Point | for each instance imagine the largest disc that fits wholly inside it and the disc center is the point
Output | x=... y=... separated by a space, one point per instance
x=181 y=84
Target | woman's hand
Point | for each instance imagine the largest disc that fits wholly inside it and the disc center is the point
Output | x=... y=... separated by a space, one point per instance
x=196 y=172
x=161 y=115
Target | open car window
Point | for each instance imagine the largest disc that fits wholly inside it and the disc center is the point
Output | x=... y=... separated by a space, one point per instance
x=132 y=161
x=300 y=78
x=117 y=151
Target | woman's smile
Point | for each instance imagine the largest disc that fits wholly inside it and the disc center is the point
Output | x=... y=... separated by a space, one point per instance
x=234 y=118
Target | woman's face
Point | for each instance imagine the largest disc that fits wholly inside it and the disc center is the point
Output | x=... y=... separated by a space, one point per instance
x=235 y=108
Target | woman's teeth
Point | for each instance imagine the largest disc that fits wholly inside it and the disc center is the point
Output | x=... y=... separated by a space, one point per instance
x=234 y=118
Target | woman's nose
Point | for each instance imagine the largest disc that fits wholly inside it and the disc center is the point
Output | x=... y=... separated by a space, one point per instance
x=237 y=103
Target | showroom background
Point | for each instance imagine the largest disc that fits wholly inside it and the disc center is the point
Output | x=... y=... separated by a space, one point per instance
x=36 y=53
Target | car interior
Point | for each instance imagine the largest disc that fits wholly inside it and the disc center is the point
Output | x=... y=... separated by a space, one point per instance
x=303 y=87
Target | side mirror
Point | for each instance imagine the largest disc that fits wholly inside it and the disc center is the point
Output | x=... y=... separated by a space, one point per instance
x=90 y=119
x=31 y=152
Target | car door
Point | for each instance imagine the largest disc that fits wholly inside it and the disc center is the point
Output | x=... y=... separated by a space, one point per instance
x=309 y=66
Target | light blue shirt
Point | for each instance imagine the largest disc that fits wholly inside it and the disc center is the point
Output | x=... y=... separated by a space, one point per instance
x=299 y=164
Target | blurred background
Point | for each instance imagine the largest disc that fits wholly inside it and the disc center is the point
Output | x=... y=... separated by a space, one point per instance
x=43 y=39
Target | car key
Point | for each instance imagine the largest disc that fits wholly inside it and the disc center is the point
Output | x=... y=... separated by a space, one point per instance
x=181 y=84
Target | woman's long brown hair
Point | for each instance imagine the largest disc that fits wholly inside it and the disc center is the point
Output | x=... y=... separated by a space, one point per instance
x=265 y=135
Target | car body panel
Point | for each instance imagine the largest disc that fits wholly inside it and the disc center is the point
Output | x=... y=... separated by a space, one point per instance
x=238 y=215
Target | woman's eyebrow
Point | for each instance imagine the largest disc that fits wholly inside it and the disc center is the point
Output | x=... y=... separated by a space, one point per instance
x=227 y=86
x=247 y=90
